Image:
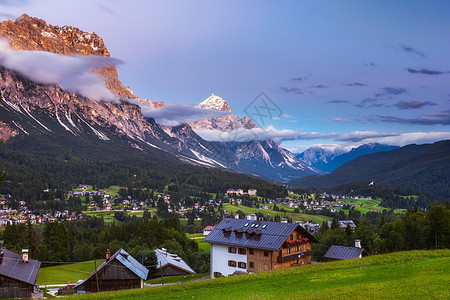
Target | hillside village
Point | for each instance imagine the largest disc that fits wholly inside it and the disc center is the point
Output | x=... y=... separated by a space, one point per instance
x=104 y=202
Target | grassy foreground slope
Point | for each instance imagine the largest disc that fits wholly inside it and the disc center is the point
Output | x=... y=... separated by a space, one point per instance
x=404 y=275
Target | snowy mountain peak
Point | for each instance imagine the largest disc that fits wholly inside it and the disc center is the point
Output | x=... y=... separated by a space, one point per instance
x=215 y=102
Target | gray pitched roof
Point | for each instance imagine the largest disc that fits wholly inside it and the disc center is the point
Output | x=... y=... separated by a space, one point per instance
x=12 y=266
x=172 y=259
x=341 y=252
x=263 y=235
x=127 y=260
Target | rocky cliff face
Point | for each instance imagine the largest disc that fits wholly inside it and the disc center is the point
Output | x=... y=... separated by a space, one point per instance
x=28 y=33
x=73 y=112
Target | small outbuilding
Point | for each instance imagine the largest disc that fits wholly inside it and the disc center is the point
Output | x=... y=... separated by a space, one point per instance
x=18 y=275
x=343 y=253
x=119 y=271
x=172 y=264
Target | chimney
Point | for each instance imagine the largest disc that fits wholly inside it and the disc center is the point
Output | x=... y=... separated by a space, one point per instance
x=357 y=243
x=25 y=255
x=164 y=251
x=108 y=254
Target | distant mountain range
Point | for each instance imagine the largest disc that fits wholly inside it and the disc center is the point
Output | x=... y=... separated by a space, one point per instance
x=423 y=168
x=329 y=159
x=38 y=112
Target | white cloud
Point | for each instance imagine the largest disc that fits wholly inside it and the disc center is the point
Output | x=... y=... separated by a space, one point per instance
x=415 y=138
x=401 y=139
x=358 y=136
x=260 y=134
x=71 y=73
x=176 y=114
x=341 y=120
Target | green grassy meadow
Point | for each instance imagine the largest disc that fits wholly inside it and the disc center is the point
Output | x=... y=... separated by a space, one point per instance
x=402 y=275
x=198 y=237
x=289 y=213
x=66 y=273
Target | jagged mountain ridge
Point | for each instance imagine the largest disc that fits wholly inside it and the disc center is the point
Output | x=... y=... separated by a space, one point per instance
x=421 y=167
x=320 y=156
x=223 y=123
x=31 y=110
x=255 y=157
x=329 y=159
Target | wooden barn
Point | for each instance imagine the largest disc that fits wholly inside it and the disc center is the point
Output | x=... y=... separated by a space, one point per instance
x=18 y=275
x=172 y=264
x=119 y=271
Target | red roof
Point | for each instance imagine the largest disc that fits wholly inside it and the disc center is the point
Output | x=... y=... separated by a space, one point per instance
x=209 y=228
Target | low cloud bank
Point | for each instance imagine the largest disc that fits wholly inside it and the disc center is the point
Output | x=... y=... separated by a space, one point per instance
x=71 y=73
x=177 y=114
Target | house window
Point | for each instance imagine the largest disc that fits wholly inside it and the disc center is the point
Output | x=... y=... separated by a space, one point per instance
x=252 y=265
x=231 y=263
x=289 y=250
x=242 y=251
x=280 y=253
x=242 y=265
x=251 y=251
x=296 y=248
x=266 y=253
x=292 y=237
x=231 y=249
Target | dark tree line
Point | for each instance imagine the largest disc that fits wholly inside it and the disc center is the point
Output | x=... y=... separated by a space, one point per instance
x=416 y=229
x=89 y=238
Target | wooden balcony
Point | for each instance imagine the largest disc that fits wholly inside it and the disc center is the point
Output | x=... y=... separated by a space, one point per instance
x=295 y=243
x=295 y=256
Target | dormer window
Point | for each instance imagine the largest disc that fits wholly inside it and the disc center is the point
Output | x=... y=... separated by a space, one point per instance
x=253 y=225
x=246 y=224
x=264 y=226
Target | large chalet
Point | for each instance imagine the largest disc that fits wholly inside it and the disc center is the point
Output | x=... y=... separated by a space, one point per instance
x=241 y=246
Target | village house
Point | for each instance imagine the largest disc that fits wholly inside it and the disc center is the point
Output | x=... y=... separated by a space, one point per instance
x=207 y=230
x=311 y=227
x=171 y=264
x=343 y=253
x=343 y=224
x=119 y=271
x=18 y=275
x=250 y=192
x=241 y=246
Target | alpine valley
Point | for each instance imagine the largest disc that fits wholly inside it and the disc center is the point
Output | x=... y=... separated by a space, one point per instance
x=38 y=118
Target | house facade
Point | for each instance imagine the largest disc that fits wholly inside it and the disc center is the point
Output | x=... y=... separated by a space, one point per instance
x=246 y=246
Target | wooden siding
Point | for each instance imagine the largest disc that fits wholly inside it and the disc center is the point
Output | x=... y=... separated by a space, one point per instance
x=115 y=276
x=286 y=257
x=10 y=288
x=170 y=270
x=259 y=260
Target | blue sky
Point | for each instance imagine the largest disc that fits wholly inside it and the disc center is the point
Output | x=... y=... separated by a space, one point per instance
x=341 y=72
